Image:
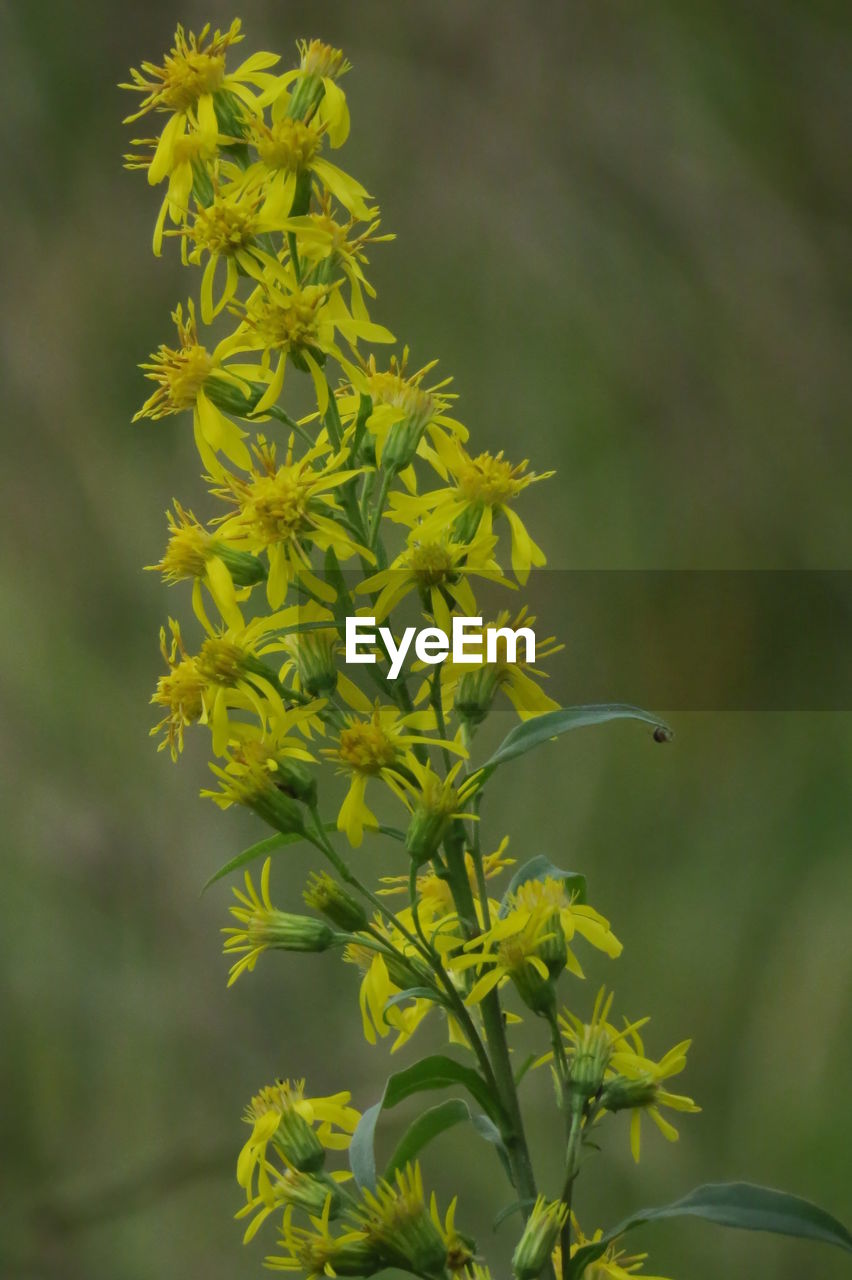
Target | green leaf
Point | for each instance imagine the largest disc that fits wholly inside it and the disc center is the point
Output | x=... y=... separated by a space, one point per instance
x=259 y=850
x=541 y=868
x=424 y=1129
x=554 y=723
x=731 y=1204
x=435 y=1072
x=415 y=993
x=516 y=1206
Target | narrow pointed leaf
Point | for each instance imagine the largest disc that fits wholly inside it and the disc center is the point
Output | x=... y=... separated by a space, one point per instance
x=424 y=1129
x=731 y=1204
x=554 y=723
x=263 y=847
x=435 y=1072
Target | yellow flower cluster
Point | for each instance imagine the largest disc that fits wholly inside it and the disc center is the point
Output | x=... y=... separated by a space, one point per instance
x=377 y=476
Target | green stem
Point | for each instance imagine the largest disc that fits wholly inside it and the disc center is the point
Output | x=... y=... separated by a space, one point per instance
x=572 y=1166
x=495 y=1031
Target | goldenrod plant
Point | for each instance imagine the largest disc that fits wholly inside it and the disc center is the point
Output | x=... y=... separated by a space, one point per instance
x=336 y=521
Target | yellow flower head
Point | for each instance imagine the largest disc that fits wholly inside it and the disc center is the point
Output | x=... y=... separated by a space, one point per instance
x=388 y=965
x=539 y=1238
x=268 y=774
x=290 y=153
x=318 y=1252
x=434 y=895
x=548 y=897
x=262 y=927
x=195 y=554
x=188 y=377
x=405 y=413
x=636 y=1083
x=613 y=1264
x=470 y=692
x=439 y=570
x=194 y=68
x=285 y=509
x=400 y=1227
x=484 y=486
x=181 y=692
x=516 y=948
x=311 y=91
x=299 y=1128
x=378 y=747
x=328 y=247
x=226 y=675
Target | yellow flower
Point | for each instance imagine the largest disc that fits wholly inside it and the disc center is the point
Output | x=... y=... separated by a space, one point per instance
x=484 y=487
x=434 y=895
x=531 y=944
x=636 y=1084
x=311 y=90
x=512 y=949
x=289 y=157
x=193 y=75
x=193 y=553
x=327 y=247
x=187 y=377
x=401 y=1229
x=404 y=413
x=613 y=1264
x=317 y=1251
x=268 y=776
x=471 y=692
x=187 y=163
x=434 y=802
x=287 y=508
x=311 y=662
x=262 y=927
x=548 y=897
x=225 y=676
x=438 y=570
x=227 y=229
x=378 y=747
x=299 y=1128
x=378 y=987
x=285 y=318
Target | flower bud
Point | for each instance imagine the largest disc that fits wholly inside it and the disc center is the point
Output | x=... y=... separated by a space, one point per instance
x=437 y=802
x=426 y=831
x=553 y=948
x=539 y=1239
x=537 y=993
x=286 y=932
x=475 y=694
x=244 y=568
x=293 y=778
x=314 y=653
x=324 y=894
x=620 y=1094
x=305 y=1191
x=397 y=1223
x=298 y=1143
x=401 y=444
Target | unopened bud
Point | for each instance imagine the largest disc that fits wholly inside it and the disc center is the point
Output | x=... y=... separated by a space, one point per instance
x=324 y=894
x=620 y=1094
x=539 y=1239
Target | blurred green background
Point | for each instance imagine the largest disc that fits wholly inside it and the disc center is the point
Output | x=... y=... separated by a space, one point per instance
x=624 y=229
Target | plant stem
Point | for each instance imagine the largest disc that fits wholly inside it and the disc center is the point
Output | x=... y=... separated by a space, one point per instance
x=495 y=1031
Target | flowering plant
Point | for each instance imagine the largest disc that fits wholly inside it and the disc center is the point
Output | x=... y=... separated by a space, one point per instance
x=379 y=476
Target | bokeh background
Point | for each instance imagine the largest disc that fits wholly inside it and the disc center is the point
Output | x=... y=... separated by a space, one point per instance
x=625 y=230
